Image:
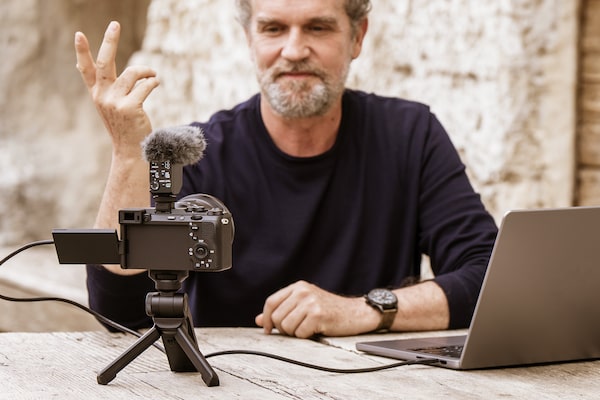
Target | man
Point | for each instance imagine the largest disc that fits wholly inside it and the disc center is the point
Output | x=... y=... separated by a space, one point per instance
x=334 y=192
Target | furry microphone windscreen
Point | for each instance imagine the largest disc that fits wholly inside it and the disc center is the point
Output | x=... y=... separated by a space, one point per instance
x=183 y=144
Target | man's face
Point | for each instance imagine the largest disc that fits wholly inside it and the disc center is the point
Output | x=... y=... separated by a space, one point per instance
x=302 y=50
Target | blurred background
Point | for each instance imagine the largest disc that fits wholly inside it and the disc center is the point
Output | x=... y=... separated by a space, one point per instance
x=515 y=82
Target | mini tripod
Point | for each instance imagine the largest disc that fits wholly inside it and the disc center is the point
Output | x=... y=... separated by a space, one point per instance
x=173 y=322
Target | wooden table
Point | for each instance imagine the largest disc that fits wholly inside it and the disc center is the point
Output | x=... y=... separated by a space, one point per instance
x=64 y=365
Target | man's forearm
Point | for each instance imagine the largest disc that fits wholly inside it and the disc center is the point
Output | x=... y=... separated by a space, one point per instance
x=421 y=307
x=126 y=187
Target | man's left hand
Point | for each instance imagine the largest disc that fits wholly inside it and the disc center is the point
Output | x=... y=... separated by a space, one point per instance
x=304 y=310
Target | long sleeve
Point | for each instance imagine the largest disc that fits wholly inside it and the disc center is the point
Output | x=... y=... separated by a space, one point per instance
x=119 y=298
x=457 y=232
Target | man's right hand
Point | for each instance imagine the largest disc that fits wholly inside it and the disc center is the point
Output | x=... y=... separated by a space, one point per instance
x=119 y=100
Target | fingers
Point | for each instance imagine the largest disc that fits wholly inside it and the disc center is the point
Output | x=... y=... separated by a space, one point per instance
x=294 y=311
x=106 y=68
x=290 y=316
x=137 y=82
x=271 y=305
x=119 y=99
x=85 y=61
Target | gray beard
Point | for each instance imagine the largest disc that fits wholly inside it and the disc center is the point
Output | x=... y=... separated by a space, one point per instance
x=299 y=103
x=299 y=99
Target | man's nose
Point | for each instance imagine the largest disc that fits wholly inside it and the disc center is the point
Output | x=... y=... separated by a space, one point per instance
x=296 y=46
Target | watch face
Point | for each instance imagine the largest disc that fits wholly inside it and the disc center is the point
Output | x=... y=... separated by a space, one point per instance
x=383 y=296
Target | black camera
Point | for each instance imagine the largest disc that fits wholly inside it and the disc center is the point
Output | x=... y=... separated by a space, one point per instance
x=194 y=234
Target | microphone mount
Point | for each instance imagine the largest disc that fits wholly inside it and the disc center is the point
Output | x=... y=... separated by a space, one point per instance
x=166 y=180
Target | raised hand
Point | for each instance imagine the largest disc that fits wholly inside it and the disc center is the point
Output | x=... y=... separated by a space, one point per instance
x=118 y=99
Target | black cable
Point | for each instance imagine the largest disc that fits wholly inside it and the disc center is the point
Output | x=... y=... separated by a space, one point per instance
x=124 y=329
x=99 y=316
x=23 y=248
x=321 y=368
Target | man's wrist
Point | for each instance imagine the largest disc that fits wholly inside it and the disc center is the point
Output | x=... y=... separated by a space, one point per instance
x=386 y=303
x=369 y=317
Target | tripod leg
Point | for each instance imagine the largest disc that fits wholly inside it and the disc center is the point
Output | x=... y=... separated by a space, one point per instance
x=110 y=372
x=209 y=376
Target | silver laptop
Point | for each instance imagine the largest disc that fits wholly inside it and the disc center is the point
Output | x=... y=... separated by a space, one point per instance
x=540 y=299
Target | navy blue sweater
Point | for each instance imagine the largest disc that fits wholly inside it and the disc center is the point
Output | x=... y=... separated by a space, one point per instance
x=354 y=218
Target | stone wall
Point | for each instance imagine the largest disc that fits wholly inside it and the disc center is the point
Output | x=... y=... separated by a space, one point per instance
x=589 y=106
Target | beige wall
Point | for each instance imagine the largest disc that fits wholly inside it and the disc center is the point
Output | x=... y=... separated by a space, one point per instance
x=588 y=110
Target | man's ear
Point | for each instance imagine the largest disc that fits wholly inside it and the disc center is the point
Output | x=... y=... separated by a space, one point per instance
x=359 y=37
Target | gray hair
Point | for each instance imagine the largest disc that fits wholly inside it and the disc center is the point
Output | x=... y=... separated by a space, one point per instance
x=357 y=11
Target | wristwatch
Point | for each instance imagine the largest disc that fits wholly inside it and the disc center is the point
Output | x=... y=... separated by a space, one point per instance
x=386 y=302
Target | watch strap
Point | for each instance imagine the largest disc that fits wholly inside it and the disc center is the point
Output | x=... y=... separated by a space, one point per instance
x=387 y=319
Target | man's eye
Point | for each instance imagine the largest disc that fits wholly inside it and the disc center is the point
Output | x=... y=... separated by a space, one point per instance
x=319 y=28
x=272 y=29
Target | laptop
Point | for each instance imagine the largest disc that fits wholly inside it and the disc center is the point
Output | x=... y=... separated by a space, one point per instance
x=539 y=302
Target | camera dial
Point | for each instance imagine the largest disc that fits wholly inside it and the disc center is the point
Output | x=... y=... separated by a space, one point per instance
x=201 y=251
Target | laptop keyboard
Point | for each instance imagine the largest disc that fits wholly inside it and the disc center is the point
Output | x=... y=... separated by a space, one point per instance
x=446 y=351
